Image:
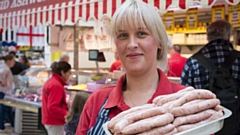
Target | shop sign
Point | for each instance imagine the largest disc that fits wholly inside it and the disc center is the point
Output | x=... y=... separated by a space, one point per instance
x=169 y=20
x=192 y=18
x=7 y=6
x=218 y=13
x=234 y=15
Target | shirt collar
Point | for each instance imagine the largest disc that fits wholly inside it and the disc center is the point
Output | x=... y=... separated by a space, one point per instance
x=176 y=54
x=220 y=42
x=115 y=96
x=59 y=78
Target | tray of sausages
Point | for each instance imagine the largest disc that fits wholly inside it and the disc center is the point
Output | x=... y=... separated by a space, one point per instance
x=187 y=112
x=208 y=128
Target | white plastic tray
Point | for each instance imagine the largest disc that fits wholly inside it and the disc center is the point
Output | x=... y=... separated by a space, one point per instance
x=205 y=129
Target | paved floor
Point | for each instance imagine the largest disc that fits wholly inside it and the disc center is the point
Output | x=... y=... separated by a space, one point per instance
x=7 y=126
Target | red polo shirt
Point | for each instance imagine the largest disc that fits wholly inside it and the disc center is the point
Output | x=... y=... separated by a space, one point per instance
x=116 y=66
x=175 y=65
x=115 y=101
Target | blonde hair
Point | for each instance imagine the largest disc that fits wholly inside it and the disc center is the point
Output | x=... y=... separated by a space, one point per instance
x=136 y=14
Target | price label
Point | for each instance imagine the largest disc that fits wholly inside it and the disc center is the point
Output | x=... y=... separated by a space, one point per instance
x=192 y=18
x=169 y=20
x=218 y=13
x=234 y=15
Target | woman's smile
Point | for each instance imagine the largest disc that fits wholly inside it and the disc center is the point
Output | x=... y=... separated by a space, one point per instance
x=134 y=55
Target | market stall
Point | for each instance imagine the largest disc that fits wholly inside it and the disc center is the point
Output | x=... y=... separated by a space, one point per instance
x=29 y=19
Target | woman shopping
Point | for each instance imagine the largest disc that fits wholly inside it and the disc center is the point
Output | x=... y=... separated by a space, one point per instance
x=138 y=32
x=54 y=105
x=6 y=86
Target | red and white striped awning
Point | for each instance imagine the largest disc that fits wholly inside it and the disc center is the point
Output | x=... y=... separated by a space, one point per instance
x=14 y=13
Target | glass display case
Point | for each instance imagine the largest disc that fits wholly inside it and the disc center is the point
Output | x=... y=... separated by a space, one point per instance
x=29 y=84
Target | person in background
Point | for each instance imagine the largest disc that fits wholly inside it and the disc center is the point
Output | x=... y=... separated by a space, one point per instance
x=216 y=50
x=18 y=67
x=218 y=47
x=138 y=32
x=72 y=119
x=54 y=105
x=175 y=62
x=117 y=65
x=64 y=57
x=25 y=62
x=6 y=86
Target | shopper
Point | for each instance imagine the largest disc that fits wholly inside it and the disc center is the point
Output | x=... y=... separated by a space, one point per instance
x=72 y=119
x=54 y=105
x=25 y=62
x=138 y=32
x=216 y=52
x=64 y=57
x=18 y=67
x=116 y=65
x=175 y=62
x=6 y=86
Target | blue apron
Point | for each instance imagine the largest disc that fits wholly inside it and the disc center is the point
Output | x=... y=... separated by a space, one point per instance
x=101 y=119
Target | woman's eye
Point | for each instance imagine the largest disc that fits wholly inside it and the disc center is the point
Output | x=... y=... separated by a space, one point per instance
x=123 y=35
x=141 y=34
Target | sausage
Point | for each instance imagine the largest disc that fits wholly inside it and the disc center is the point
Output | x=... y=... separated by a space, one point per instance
x=193 y=118
x=214 y=116
x=149 y=123
x=193 y=102
x=159 y=130
x=172 y=132
x=160 y=100
x=187 y=89
x=114 y=120
x=143 y=114
x=218 y=108
x=198 y=107
x=196 y=94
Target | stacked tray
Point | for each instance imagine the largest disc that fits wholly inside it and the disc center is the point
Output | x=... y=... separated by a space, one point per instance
x=204 y=129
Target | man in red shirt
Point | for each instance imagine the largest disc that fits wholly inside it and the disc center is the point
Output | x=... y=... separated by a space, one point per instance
x=176 y=62
x=117 y=65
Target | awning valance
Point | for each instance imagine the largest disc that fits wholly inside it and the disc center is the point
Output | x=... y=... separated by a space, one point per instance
x=16 y=13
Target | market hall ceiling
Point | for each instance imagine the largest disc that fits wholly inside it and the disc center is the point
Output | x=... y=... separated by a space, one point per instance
x=17 y=13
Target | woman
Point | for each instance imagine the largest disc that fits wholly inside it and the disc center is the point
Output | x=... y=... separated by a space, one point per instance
x=54 y=105
x=75 y=113
x=6 y=86
x=138 y=33
x=25 y=62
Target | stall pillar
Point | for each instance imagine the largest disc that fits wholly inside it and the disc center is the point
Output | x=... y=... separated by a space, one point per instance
x=18 y=121
x=76 y=47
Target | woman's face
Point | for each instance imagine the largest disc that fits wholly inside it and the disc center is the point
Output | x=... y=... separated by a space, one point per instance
x=10 y=63
x=137 y=49
x=66 y=75
x=21 y=60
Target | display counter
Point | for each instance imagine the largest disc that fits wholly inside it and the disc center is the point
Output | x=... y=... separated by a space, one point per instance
x=21 y=104
x=28 y=93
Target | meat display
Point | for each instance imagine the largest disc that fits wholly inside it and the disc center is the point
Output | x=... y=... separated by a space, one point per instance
x=168 y=114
